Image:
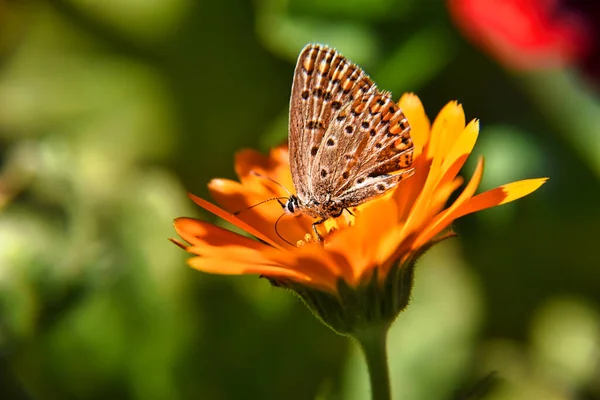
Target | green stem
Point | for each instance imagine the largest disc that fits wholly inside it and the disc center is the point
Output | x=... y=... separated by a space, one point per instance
x=373 y=342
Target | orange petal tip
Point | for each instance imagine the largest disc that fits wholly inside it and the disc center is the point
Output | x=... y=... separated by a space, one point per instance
x=224 y=186
x=516 y=190
x=178 y=243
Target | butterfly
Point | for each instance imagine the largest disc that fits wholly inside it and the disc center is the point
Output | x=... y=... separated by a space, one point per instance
x=348 y=141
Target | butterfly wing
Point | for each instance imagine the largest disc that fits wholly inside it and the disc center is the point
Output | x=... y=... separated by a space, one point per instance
x=324 y=82
x=367 y=150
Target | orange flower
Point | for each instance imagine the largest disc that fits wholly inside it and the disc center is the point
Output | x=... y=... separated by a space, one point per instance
x=387 y=231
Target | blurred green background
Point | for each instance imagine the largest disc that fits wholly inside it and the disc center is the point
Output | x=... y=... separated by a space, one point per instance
x=111 y=110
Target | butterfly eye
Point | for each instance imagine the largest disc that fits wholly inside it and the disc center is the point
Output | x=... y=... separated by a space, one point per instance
x=291 y=206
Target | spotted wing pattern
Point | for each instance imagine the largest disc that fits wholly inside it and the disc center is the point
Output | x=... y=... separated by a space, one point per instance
x=348 y=141
x=324 y=82
x=367 y=150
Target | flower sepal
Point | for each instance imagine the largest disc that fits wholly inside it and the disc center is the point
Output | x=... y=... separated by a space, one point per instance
x=353 y=310
x=375 y=302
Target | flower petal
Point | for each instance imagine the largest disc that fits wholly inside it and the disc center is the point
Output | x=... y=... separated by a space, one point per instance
x=234 y=196
x=460 y=150
x=210 y=241
x=409 y=189
x=224 y=252
x=262 y=217
x=448 y=125
x=194 y=231
x=421 y=205
x=273 y=170
x=445 y=218
x=500 y=195
x=419 y=123
x=232 y=219
x=280 y=165
x=372 y=227
x=217 y=265
x=442 y=194
x=248 y=160
x=312 y=260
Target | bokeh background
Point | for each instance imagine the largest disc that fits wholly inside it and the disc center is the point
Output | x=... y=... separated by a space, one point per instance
x=112 y=110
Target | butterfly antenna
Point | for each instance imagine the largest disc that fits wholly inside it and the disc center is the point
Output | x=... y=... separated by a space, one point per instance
x=258 y=174
x=278 y=234
x=262 y=202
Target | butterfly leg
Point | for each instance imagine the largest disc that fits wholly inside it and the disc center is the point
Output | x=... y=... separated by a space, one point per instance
x=314 y=226
x=319 y=222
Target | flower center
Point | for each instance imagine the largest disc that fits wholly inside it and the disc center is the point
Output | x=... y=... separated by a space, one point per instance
x=321 y=231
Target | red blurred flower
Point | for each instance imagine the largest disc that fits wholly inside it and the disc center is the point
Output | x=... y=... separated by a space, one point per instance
x=534 y=34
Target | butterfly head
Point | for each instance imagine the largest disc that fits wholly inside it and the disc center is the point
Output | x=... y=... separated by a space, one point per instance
x=292 y=205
